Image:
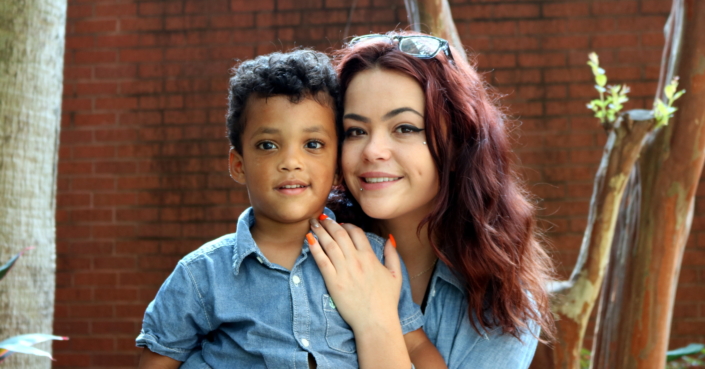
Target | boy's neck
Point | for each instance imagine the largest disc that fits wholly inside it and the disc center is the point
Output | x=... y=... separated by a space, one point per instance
x=281 y=243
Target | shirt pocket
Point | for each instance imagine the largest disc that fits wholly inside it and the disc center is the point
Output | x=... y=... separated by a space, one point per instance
x=339 y=335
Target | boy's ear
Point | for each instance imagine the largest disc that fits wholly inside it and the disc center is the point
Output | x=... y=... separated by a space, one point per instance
x=236 y=165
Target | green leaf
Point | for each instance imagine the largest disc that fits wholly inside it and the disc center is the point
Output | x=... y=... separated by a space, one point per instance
x=23 y=344
x=669 y=90
x=6 y=268
x=691 y=349
x=678 y=95
x=601 y=79
x=600 y=88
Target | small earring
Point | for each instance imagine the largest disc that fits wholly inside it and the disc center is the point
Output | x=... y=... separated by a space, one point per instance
x=424 y=142
x=360 y=189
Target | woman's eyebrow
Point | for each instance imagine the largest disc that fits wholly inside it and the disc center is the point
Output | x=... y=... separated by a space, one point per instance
x=356 y=117
x=398 y=111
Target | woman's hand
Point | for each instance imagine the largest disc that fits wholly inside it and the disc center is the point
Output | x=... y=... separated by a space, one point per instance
x=365 y=292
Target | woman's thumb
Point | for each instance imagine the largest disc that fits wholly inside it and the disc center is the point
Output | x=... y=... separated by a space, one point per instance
x=391 y=257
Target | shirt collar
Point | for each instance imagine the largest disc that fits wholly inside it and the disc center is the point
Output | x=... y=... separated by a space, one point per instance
x=245 y=244
x=444 y=273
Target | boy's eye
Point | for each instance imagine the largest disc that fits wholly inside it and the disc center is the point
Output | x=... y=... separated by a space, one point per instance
x=408 y=128
x=266 y=145
x=314 y=145
x=354 y=132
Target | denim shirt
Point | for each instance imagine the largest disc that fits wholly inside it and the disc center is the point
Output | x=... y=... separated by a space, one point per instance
x=447 y=325
x=225 y=305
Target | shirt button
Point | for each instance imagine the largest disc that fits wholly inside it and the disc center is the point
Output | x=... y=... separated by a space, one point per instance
x=433 y=292
x=260 y=260
x=296 y=280
x=304 y=342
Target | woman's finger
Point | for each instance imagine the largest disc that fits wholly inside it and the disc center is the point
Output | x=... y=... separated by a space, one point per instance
x=391 y=259
x=324 y=264
x=358 y=237
x=333 y=251
x=339 y=234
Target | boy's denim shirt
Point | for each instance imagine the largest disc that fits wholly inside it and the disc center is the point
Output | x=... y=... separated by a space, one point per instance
x=225 y=305
x=447 y=325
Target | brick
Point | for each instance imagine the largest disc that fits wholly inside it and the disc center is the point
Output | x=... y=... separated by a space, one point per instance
x=116 y=103
x=115 y=167
x=95 y=26
x=91 y=151
x=95 y=279
x=564 y=10
x=115 y=135
x=75 y=168
x=565 y=42
x=515 y=43
x=79 y=42
x=614 y=7
x=141 y=24
x=91 y=215
x=516 y=11
x=141 y=55
x=114 y=72
x=69 y=200
x=656 y=6
x=542 y=60
x=248 y=6
x=607 y=41
x=115 y=199
x=95 y=57
x=94 y=119
x=488 y=28
x=91 y=183
x=113 y=10
x=472 y=12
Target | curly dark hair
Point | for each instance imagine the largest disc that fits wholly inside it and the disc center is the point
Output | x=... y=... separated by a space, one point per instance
x=297 y=74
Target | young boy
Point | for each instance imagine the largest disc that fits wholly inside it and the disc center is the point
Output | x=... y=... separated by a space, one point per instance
x=256 y=298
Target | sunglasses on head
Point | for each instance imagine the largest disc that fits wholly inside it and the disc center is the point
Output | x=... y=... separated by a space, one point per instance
x=422 y=47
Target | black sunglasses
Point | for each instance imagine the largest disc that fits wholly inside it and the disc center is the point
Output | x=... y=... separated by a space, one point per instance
x=423 y=47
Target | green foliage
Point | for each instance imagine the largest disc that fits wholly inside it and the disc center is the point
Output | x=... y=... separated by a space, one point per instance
x=663 y=111
x=612 y=98
x=585 y=355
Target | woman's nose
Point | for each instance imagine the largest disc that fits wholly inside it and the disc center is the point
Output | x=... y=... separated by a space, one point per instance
x=377 y=148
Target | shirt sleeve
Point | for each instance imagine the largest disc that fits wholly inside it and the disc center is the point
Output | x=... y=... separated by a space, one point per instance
x=176 y=320
x=494 y=349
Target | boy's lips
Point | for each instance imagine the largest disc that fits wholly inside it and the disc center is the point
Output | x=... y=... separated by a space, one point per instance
x=292 y=187
x=378 y=180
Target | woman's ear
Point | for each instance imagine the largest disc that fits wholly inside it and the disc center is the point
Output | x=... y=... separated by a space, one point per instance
x=236 y=165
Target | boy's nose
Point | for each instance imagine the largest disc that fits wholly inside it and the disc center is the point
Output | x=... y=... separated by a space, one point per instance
x=291 y=161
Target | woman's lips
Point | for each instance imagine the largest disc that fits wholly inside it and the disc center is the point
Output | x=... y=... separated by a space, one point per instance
x=377 y=181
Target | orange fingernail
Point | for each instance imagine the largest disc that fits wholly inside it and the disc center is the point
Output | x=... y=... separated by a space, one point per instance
x=322 y=217
x=310 y=239
x=392 y=240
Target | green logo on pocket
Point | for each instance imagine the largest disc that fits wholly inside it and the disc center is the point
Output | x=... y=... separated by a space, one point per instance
x=331 y=303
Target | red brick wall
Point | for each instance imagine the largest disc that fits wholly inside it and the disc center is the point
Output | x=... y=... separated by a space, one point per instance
x=143 y=159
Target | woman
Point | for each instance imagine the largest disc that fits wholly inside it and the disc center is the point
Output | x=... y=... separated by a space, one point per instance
x=426 y=157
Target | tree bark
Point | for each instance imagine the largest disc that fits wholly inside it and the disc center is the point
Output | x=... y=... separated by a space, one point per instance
x=670 y=166
x=32 y=34
x=575 y=298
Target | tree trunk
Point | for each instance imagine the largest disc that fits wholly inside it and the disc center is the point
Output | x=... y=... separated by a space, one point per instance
x=576 y=297
x=670 y=166
x=31 y=81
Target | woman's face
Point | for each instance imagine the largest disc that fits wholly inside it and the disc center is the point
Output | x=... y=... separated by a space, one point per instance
x=386 y=164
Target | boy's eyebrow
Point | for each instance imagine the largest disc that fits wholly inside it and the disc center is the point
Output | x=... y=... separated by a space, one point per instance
x=265 y=130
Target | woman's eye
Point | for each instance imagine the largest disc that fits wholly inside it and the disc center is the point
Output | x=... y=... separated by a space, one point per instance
x=407 y=128
x=266 y=145
x=314 y=145
x=354 y=132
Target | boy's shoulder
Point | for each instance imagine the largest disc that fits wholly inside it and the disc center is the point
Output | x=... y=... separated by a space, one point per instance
x=377 y=244
x=223 y=246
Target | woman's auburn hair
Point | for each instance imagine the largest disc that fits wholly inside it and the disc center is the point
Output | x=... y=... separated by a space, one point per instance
x=482 y=225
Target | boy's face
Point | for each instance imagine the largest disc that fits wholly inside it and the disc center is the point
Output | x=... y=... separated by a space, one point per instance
x=288 y=159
